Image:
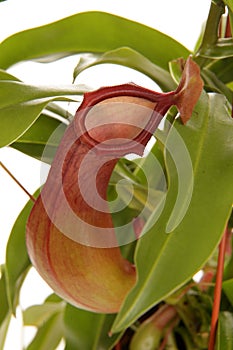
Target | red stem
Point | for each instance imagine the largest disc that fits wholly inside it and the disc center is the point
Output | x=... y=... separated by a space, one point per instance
x=217 y=291
x=18 y=183
x=228 y=33
x=163 y=316
x=118 y=346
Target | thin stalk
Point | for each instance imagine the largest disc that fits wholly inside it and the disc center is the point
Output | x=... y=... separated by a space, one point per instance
x=210 y=36
x=212 y=25
x=217 y=292
x=18 y=183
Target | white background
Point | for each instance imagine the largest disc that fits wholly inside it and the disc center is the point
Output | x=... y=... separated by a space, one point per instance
x=180 y=19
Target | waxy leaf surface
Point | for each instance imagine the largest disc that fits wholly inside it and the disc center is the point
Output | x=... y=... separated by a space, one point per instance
x=38 y=136
x=224 y=336
x=5 y=314
x=128 y=57
x=228 y=289
x=74 y=34
x=37 y=315
x=48 y=335
x=18 y=264
x=21 y=105
x=7 y=76
x=88 y=331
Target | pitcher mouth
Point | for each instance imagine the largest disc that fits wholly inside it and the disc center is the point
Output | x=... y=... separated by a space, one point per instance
x=119 y=120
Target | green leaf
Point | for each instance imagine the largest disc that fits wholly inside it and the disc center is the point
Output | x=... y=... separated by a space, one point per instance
x=58 y=111
x=229 y=4
x=173 y=239
x=223 y=69
x=211 y=31
x=37 y=315
x=176 y=68
x=4 y=301
x=45 y=132
x=228 y=269
x=130 y=58
x=3 y=330
x=53 y=298
x=227 y=287
x=17 y=260
x=154 y=160
x=223 y=48
x=88 y=331
x=74 y=34
x=5 y=314
x=214 y=84
x=7 y=76
x=224 y=336
x=49 y=334
x=21 y=104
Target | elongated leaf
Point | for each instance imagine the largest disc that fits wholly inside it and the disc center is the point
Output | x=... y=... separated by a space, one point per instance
x=130 y=58
x=223 y=69
x=3 y=330
x=213 y=83
x=5 y=314
x=21 y=104
x=175 y=67
x=228 y=289
x=17 y=260
x=75 y=35
x=34 y=140
x=59 y=111
x=224 y=337
x=160 y=255
x=87 y=331
x=228 y=270
x=4 y=302
x=7 y=76
x=222 y=49
x=155 y=161
x=229 y=4
x=36 y=315
x=49 y=335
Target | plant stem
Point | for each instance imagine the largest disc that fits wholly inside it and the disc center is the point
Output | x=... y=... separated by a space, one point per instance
x=211 y=31
x=18 y=183
x=217 y=291
x=210 y=36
